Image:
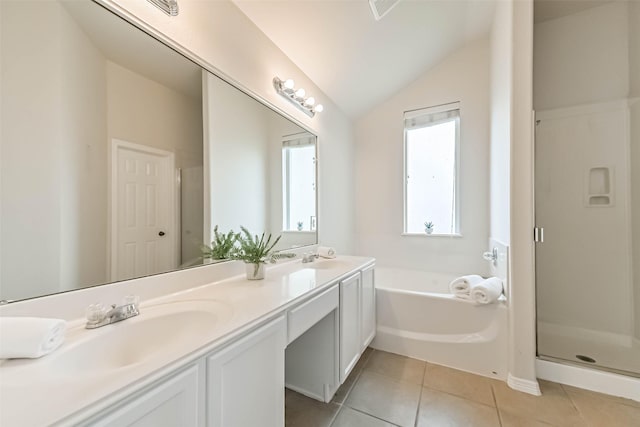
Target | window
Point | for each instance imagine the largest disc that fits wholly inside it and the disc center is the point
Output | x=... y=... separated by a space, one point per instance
x=299 y=183
x=431 y=139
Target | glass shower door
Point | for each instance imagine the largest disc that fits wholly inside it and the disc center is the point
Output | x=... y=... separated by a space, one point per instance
x=584 y=267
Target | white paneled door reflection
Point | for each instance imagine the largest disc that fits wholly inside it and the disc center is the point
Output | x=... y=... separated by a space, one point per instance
x=143 y=212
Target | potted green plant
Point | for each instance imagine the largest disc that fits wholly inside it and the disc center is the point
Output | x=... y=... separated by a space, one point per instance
x=428 y=227
x=255 y=252
x=300 y=225
x=221 y=246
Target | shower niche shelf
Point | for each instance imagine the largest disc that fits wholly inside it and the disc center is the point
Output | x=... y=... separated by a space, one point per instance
x=598 y=187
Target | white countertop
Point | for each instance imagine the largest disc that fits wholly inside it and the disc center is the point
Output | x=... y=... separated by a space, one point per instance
x=32 y=393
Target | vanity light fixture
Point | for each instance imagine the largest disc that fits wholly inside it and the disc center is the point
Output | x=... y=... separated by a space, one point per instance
x=170 y=7
x=287 y=89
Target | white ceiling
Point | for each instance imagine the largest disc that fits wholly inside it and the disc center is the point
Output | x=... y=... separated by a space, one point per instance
x=122 y=43
x=358 y=61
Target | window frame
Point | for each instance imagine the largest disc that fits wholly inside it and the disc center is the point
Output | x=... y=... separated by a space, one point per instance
x=289 y=142
x=409 y=114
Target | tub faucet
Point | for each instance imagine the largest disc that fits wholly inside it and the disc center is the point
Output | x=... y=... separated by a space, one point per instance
x=98 y=315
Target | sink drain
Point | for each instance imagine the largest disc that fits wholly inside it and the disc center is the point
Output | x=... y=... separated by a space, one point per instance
x=585 y=358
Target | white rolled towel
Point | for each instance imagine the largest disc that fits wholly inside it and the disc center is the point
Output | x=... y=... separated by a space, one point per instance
x=30 y=337
x=461 y=286
x=487 y=291
x=326 y=252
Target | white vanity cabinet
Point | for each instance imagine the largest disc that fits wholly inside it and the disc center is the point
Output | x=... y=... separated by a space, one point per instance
x=174 y=402
x=368 y=324
x=350 y=321
x=357 y=317
x=245 y=380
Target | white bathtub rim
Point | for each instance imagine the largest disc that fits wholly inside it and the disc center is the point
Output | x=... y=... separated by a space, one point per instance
x=501 y=301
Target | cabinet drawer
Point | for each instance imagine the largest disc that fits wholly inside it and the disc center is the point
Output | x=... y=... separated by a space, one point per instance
x=308 y=314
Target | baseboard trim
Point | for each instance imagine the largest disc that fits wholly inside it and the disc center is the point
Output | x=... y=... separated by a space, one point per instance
x=525 y=386
x=589 y=379
x=305 y=392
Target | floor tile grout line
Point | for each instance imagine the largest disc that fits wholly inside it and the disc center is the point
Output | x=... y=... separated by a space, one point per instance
x=578 y=411
x=424 y=373
x=415 y=423
x=371 y=415
x=598 y=395
x=495 y=403
x=459 y=397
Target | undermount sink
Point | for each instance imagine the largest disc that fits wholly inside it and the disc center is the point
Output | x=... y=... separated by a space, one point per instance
x=159 y=329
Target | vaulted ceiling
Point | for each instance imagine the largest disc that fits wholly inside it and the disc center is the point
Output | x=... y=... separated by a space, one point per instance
x=358 y=61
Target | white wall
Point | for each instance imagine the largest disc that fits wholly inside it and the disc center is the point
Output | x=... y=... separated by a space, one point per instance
x=143 y=111
x=238 y=158
x=55 y=104
x=501 y=60
x=228 y=42
x=48 y=177
x=522 y=310
x=582 y=58
x=464 y=77
x=22 y=83
x=83 y=157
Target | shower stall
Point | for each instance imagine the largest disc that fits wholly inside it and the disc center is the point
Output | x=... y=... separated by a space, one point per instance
x=587 y=184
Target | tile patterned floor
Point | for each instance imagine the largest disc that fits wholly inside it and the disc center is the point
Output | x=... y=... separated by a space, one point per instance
x=387 y=390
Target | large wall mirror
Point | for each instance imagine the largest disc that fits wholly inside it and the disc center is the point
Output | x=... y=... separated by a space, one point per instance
x=119 y=155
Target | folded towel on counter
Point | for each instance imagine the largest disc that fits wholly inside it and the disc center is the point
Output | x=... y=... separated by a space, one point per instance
x=461 y=287
x=326 y=252
x=487 y=291
x=30 y=337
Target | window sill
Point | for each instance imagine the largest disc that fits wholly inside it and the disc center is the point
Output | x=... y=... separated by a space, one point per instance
x=431 y=235
x=298 y=232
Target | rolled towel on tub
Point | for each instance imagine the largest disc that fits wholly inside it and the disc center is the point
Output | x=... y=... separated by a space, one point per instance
x=487 y=291
x=461 y=286
x=326 y=252
x=30 y=337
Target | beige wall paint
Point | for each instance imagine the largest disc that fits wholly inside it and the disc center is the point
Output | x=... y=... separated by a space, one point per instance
x=224 y=39
x=464 y=77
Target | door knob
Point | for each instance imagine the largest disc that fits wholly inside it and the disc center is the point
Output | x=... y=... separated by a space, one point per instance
x=161 y=233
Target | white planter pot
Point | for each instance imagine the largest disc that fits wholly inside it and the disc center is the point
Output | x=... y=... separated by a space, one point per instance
x=254 y=271
x=428 y=230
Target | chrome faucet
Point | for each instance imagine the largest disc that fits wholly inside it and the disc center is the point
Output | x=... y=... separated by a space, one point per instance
x=309 y=257
x=98 y=315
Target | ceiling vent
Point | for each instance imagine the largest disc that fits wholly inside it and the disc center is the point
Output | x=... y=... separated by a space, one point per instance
x=380 y=8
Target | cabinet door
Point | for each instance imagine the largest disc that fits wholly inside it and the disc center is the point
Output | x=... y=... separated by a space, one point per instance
x=174 y=402
x=245 y=380
x=368 y=307
x=349 y=324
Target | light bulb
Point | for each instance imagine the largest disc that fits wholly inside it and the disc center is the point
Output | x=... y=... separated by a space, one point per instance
x=289 y=84
x=310 y=101
x=319 y=108
x=300 y=93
